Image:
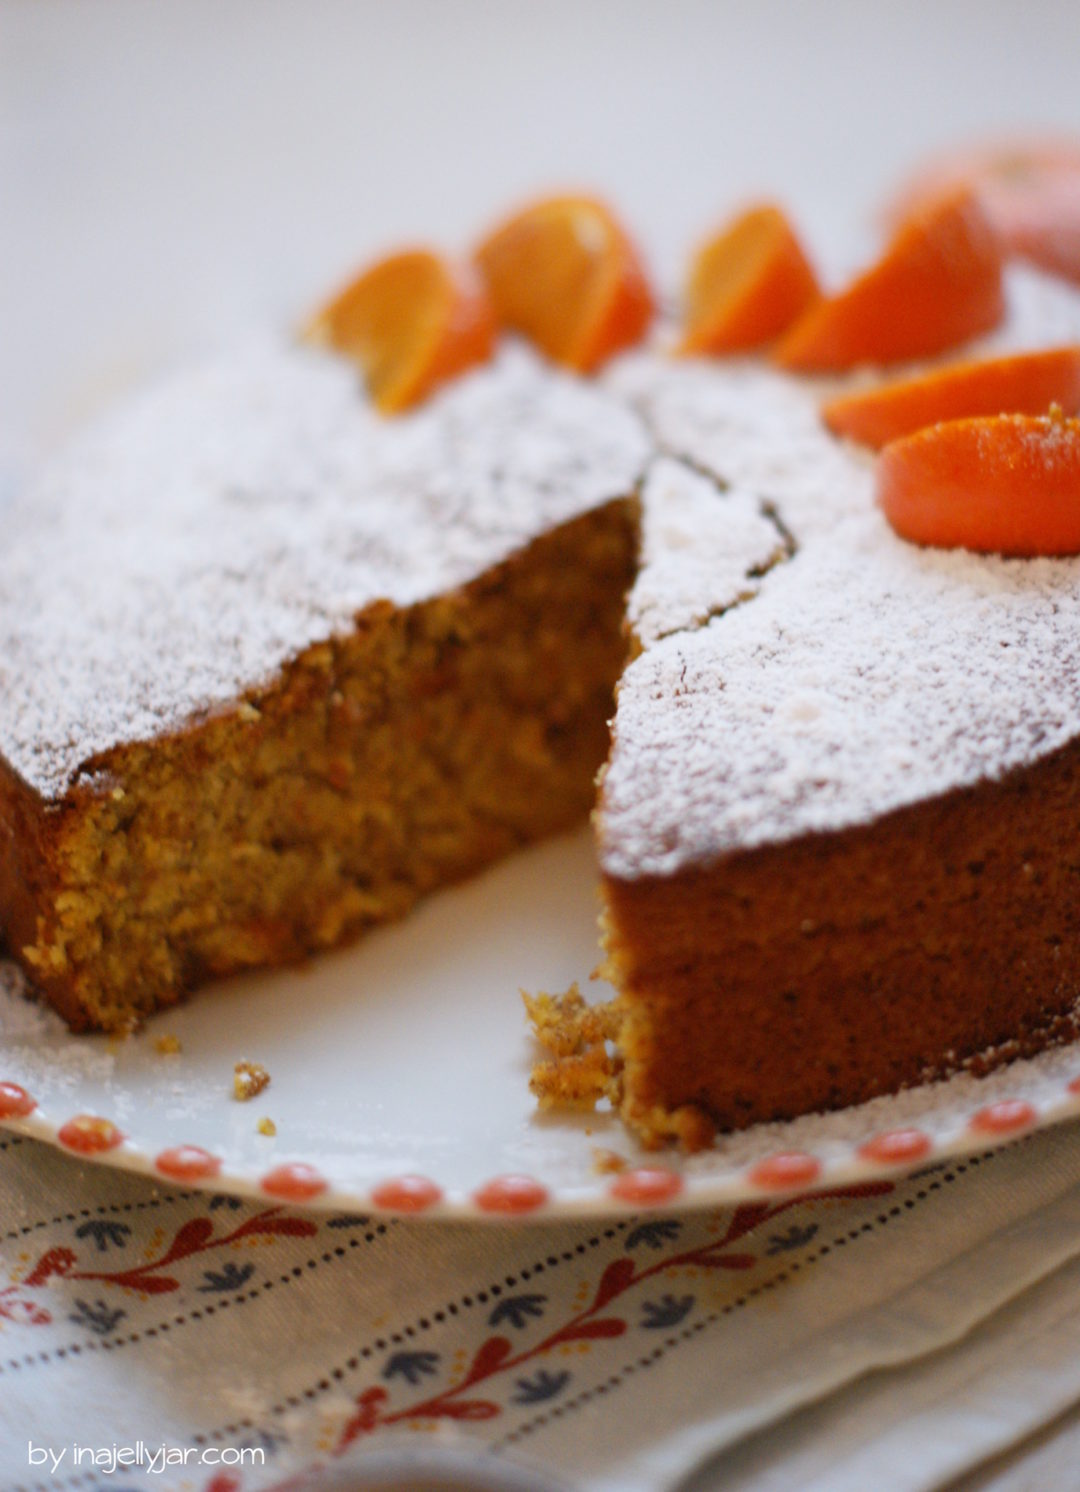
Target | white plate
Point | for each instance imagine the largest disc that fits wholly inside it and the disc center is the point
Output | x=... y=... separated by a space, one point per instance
x=408 y=1055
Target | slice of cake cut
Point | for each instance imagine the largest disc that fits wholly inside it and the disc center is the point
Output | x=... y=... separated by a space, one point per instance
x=274 y=666
x=840 y=824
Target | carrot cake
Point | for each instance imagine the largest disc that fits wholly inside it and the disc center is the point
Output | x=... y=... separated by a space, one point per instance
x=840 y=824
x=274 y=666
x=311 y=664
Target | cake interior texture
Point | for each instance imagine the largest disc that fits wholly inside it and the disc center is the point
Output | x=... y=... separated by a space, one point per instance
x=429 y=741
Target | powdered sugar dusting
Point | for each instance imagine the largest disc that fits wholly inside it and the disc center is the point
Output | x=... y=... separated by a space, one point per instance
x=752 y=428
x=38 y=1046
x=179 y=554
x=867 y=674
x=1052 y=442
x=703 y=549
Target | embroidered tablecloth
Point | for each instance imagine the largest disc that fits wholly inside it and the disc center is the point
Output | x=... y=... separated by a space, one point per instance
x=226 y=1345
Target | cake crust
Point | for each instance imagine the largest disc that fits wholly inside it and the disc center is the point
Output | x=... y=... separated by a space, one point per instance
x=794 y=978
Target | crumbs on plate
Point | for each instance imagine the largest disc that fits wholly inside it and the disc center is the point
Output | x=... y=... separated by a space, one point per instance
x=607 y=1162
x=249 y=1078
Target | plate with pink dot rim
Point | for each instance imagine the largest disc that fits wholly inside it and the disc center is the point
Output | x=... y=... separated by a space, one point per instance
x=399 y=1080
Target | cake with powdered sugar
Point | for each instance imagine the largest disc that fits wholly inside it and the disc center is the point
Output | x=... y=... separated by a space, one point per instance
x=273 y=667
x=840 y=823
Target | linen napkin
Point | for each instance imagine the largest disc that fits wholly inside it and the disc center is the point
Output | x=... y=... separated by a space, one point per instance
x=647 y=1352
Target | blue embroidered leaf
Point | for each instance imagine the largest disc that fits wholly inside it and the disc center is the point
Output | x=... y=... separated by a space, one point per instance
x=348 y=1220
x=667 y=1311
x=654 y=1234
x=262 y=1440
x=229 y=1277
x=516 y=1309
x=412 y=1366
x=794 y=1238
x=541 y=1387
x=98 y=1318
x=104 y=1234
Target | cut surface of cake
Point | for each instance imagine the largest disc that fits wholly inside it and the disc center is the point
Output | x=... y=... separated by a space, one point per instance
x=274 y=666
x=840 y=825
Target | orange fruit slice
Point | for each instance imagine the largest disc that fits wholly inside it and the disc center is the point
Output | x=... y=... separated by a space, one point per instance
x=937 y=284
x=564 y=273
x=1008 y=484
x=747 y=285
x=411 y=321
x=1025 y=383
x=1029 y=189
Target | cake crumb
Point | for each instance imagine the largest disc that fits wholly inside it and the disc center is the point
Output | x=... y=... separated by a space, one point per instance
x=608 y=1162
x=565 y=1024
x=266 y=1126
x=167 y=1045
x=582 y=1070
x=249 y=1078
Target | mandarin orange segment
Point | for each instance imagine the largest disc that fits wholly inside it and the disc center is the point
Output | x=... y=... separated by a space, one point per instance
x=1007 y=484
x=1025 y=383
x=564 y=273
x=1029 y=189
x=411 y=321
x=938 y=284
x=747 y=285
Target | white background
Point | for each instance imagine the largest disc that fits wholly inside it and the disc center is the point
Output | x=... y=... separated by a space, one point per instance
x=170 y=173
